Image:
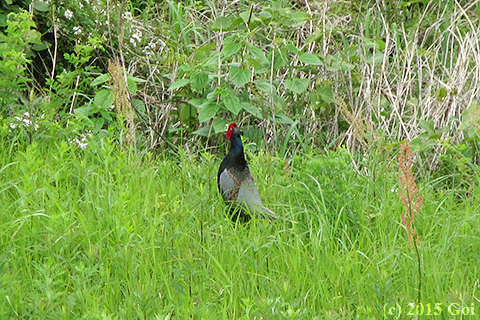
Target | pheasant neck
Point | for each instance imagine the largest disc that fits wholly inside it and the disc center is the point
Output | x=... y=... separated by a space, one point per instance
x=236 y=149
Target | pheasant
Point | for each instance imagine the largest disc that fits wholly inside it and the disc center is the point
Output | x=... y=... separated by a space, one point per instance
x=235 y=181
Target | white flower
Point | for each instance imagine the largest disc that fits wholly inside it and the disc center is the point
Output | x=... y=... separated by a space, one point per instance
x=127 y=16
x=68 y=14
x=26 y=121
x=150 y=48
x=137 y=35
x=82 y=142
x=77 y=30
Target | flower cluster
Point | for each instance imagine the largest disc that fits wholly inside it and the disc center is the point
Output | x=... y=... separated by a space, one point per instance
x=82 y=141
x=24 y=120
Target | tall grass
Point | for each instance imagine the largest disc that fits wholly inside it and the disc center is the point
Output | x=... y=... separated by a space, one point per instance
x=109 y=233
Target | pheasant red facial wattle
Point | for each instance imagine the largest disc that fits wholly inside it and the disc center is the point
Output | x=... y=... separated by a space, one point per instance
x=235 y=181
x=231 y=128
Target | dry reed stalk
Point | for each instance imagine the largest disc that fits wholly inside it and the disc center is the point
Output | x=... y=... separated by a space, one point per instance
x=412 y=200
x=121 y=99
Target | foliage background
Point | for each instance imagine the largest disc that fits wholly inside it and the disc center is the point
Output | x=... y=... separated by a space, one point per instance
x=322 y=73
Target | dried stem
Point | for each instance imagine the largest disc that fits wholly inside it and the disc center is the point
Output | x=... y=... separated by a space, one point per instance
x=412 y=200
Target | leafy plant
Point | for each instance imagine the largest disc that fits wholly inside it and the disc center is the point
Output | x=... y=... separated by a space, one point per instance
x=72 y=92
x=15 y=51
x=454 y=163
x=244 y=73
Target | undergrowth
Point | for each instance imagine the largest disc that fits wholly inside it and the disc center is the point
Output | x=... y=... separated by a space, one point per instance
x=107 y=233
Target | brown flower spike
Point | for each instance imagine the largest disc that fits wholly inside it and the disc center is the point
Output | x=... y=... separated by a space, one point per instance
x=409 y=193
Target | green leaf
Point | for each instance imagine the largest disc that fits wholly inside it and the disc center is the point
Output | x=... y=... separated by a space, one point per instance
x=240 y=76
x=106 y=114
x=375 y=58
x=178 y=84
x=188 y=113
x=222 y=23
x=83 y=111
x=311 y=59
x=314 y=36
x=232 y=104
x=33 y=36
x=299 y=16
x=204 y=132
x=132 y=86
x=178 y=287
x=283 y=119
x=197 y=102
x=326 y=94
x=265 y=14
x=229 y=49
x=279 y=102
x=103 y=98
x=41 y=6
x=203 y=53
x=41 y=46
x=264 y=86
x=135 y=79
x=380 y=44
x=291 y=47
x=199 y=81
x=245 y=15
x=293 y=130
x=297 y=85
x=428 y=126
x=441 y=93
x=252 y=109
x=256 y=66
x=97 y=124
x=101 y=79
x=279 y=58
x=257 y=53
x=471 y=116
x=208 y=111
x=416 y=145
x=219 y=125
x=139 y=105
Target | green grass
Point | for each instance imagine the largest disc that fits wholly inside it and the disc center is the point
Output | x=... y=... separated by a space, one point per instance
x=104 y=233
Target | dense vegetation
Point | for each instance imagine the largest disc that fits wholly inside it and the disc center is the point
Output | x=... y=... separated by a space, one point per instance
x=111 y=122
